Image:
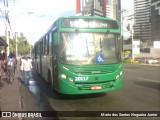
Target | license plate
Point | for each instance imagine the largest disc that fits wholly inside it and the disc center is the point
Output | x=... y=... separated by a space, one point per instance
x=96 y=87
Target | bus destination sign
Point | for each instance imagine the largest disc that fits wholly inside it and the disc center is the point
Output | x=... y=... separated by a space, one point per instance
x=88 y=23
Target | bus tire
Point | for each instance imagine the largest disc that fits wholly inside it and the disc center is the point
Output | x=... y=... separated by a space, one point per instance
x=37 y=70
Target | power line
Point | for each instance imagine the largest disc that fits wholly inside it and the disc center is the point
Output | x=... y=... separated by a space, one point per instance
x=10 y=26
x=7 y=16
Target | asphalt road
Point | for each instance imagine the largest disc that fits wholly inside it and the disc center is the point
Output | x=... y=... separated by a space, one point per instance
x=140 y=92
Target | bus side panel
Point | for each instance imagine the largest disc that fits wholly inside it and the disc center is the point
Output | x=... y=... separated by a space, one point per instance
x=38 y=64
x=37 y=58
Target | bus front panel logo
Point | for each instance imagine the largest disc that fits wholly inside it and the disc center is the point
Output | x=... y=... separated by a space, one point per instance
x=99 y=59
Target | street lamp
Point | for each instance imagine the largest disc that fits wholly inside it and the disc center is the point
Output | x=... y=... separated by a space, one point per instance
x=122 y=21
x=121 y=24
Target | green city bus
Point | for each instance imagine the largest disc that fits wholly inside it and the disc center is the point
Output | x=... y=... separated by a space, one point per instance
x=80 y=55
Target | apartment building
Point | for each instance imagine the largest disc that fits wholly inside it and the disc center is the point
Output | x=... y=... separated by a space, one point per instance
x=142 y=25
x=155 y=20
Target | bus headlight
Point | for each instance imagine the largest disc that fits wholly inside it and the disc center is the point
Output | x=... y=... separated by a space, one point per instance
x=67 y=78
x=63 y=76
x=117 y=78
x=120 y=73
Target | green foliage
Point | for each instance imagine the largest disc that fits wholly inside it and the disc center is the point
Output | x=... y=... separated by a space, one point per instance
x=12 y=45
x=22 y=45
x=129 y=60
x=127 y=52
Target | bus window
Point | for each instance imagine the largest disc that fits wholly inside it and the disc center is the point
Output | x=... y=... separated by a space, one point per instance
x=38 y=49
x=43 y=46
x=50 y=42
x=47 y=45
x=55 y=42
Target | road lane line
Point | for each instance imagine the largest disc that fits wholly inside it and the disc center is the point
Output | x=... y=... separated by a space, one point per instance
x=148 y=80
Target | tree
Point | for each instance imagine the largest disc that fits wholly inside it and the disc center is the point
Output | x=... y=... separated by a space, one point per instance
x=22 y=45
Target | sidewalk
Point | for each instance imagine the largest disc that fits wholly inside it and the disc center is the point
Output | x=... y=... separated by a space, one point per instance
x=17 y=97
x=10 y=94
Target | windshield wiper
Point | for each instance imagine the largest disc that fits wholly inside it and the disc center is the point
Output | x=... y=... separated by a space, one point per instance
x=87 y=47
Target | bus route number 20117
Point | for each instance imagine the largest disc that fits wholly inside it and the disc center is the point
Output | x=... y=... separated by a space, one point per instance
x=81 y=78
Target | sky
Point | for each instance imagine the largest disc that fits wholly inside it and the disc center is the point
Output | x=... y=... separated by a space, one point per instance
x=34 y=17
x=127 y=5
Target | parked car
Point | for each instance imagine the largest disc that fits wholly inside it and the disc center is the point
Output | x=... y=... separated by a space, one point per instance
x=142 y=60
x=152 y=61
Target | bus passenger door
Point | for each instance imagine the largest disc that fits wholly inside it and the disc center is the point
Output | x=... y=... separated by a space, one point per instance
x=55 y=60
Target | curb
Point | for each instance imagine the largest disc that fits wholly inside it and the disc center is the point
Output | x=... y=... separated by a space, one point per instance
x=154 y=65
x=157 y=65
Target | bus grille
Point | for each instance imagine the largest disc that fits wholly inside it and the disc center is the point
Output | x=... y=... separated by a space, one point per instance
x=88 y=86
x=94 y=70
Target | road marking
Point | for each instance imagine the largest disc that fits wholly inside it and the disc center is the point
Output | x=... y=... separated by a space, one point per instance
x=148 y=80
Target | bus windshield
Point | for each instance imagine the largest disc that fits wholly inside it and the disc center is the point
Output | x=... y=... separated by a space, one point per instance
x=89 y=48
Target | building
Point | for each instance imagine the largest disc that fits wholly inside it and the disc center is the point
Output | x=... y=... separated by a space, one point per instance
x=147 y=19
x=132 y=49
x=142 y=25
x=3 y=46
x=2 y=42
x=105 y=8
x=155 y=20
x=109 y=9
x=91 y=7
x=113 y=9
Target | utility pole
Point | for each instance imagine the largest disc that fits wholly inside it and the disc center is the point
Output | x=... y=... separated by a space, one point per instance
x=131 y=17
x=16 y=44
x=122 y=21
x=122 y=30
x=6 y=24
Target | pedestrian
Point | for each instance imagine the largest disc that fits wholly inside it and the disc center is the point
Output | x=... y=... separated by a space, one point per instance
x=26 y=68
x=15 y=63
x=3 y=56
x=1 y=62
x=2 y=68
x=10 y=67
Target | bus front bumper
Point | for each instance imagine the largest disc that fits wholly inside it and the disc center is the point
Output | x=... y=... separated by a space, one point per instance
x=66 y=87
